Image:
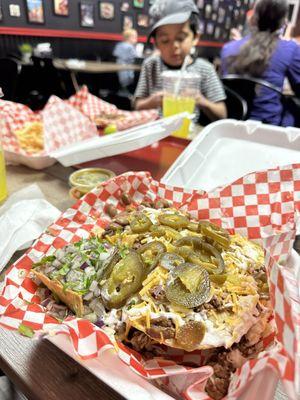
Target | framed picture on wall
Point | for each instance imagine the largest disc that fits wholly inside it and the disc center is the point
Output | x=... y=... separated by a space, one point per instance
x=210 y=28
x=125 y=6
x=14 y=10
x=1 y=15
x=106 y=10
x=127 y=22
x=200 y=4
x=61 y=7
x=143 y=20
x=138 y=3
x=218 y=32
x=35 y=11
x=87 y=15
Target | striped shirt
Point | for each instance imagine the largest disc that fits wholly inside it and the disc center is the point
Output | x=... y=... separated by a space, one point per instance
x=151 y=81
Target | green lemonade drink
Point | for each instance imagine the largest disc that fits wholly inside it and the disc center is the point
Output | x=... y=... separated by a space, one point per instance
x=3 y=189
x=174 y=105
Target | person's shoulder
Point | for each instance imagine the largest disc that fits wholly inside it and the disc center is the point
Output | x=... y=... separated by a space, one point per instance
x=290 y=45
x=151 y=62
x=203 y=66
x=119 y=47
x=234 y=45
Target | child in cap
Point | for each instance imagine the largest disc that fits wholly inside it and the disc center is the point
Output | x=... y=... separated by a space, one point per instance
x=175 y=34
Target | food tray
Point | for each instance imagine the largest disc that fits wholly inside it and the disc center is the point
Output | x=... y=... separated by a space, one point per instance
x=118 y=143
x=63 y=231
x=228 y=149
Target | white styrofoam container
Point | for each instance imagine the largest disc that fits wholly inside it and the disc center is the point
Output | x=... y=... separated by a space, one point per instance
x=227 y=150
x=31 y=162
x=103 y=146
x=118 y=143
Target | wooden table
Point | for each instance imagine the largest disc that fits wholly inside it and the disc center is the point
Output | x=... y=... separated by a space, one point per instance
x=93 y=67
x=38 y=368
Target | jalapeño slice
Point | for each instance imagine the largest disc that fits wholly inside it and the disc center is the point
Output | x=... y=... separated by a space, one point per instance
x=190 y=335
x=140 y=223
x=170 y=261
x=175 y=221
x=151 y=252
x=125 y=280
x=188 y=285
x=215 y=232
x=195 y=251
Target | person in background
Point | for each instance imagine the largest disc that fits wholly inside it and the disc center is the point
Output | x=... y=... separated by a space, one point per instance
x=263 y=54
x=175 y=34
x=125 y=53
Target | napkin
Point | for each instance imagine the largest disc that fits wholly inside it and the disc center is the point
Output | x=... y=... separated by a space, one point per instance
x=23 y=217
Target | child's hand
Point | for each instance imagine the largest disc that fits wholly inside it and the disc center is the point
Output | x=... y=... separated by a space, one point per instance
x=155 y=100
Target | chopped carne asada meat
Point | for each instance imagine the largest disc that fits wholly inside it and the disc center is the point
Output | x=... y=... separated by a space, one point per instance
x=140 y=341
x=161 y=328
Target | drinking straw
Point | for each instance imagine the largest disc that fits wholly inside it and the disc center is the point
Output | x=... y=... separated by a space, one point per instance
x=182 y=70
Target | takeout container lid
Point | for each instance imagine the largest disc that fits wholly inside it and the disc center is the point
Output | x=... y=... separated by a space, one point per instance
x=228 y=149
x=121 y=142
x=76 y=179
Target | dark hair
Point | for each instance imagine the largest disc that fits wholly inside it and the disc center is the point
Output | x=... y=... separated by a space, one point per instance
x=253 y=58
x=195 y=24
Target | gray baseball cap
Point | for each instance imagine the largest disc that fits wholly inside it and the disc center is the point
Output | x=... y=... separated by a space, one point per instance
x=167 y=12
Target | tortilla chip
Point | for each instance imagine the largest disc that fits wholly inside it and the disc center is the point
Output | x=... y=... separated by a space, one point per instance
x=72 y=299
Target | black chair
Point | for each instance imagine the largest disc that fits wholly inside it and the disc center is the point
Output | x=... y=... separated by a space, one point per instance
x=236 y=106
x=248 y=88
x=112 y=91
x=9 y=72
x=38 y=82
x=49 y=79
x=293 y=106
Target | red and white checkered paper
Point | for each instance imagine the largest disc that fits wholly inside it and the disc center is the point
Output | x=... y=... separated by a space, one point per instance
x=63 y=125
x=14 y=116
x=65 y=121
x=263 y=206
x=92 y=106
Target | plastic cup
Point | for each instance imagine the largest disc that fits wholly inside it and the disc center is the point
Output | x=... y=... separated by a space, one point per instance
x=180 y=91
x=3 y=187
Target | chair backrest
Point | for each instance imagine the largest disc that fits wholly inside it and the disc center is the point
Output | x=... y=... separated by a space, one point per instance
x=48 y=80
x=248 y=88
x=236 y=106
x=8 y=77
